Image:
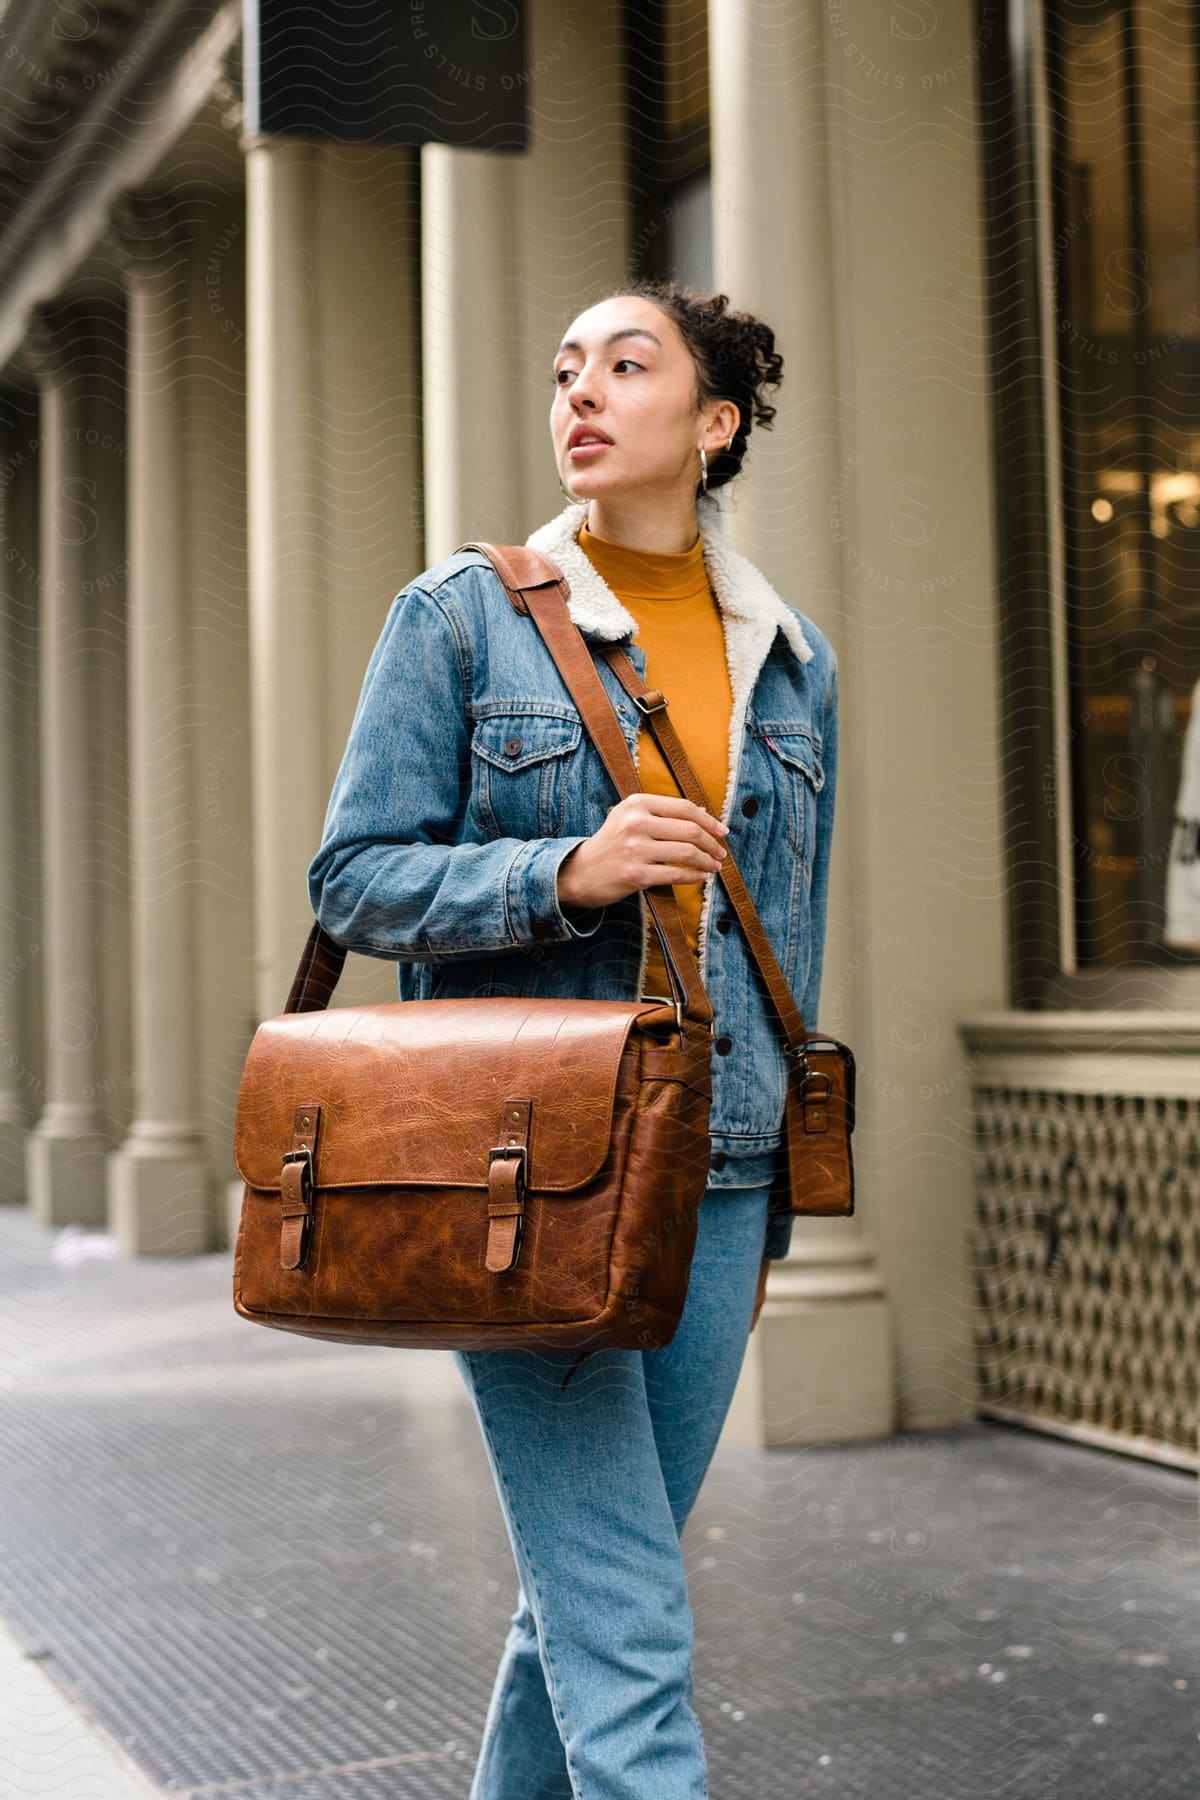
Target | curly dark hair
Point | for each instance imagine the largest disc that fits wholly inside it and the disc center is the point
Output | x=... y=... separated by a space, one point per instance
x=734 y=354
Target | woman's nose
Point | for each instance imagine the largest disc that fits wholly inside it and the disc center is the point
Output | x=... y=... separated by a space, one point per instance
x=583 y=392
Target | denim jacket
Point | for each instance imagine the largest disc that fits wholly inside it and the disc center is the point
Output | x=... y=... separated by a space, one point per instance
x=468 y=778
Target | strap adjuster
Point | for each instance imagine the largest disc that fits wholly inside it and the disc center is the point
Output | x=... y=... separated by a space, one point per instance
x=302 y=1155
x=519 y=1151
x=652 y=701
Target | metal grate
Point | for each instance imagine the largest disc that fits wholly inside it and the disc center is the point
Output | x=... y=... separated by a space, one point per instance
x=1087 y=1257
x=276 y=1569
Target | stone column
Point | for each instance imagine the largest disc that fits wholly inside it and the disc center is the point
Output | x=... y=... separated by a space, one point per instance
x=471 y=383
x=287 y=555
x=818 y=1367
x=68 y=1145
x=20 y=1048
x=335 y=505
x=505 y=264
x=159 y=1184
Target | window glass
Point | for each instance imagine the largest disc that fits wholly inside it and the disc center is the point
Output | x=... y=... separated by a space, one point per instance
x=1126 y=297
x=668 y=112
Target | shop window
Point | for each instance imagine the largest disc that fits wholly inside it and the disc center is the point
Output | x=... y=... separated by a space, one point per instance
x=1127 y=304
x=1092 y=193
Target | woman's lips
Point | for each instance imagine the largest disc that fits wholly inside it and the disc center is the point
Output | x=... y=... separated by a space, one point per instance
x=582 y=452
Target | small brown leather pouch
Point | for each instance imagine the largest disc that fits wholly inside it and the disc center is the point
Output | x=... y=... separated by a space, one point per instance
x=819 y=1121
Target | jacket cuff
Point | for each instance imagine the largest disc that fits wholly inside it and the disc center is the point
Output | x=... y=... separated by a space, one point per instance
x=532 y=894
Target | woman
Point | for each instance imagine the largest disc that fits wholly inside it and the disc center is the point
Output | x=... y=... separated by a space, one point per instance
x=472 y=835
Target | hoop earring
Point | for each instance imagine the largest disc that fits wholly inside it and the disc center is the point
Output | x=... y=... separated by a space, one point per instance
x=567 y=491
x=703 y=469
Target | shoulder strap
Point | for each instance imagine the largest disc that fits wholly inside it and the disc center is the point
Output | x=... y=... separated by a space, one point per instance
x=536 y=586
x=786 y=1010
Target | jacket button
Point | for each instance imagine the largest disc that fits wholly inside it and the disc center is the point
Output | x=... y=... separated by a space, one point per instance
x=512 y=746
x=718 y=1161
x=723 y=1046
x=724 y=922
x=749 y=806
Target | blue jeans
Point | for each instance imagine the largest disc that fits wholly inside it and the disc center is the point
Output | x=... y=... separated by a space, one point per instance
x=593 y=1696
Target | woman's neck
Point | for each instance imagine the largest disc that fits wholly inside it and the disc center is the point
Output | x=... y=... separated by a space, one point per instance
x=643 y=522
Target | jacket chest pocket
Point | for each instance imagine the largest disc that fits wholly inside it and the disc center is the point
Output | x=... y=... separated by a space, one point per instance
x=519 y=764
x=794 y=757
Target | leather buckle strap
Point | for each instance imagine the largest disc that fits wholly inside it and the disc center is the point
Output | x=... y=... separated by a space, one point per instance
x=519 y=1153
x=303 y=1156
x=816 y=1090
x=297 y=1189
x=508 y=1171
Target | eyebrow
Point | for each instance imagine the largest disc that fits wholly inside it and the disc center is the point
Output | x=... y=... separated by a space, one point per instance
x=613 y=337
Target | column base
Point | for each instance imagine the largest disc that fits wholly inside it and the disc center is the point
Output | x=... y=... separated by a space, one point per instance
x=235 y=1193
x=14 y=1180
x=64 y=1170
x=818 y=1366
x=160 y=1197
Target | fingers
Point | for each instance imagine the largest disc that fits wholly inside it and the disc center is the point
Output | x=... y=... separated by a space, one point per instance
x=670 y=875
x=670 y=809
x=678 y=863
x=664 y=840
x=663 y=807
x=671 y=833
x=681 y=827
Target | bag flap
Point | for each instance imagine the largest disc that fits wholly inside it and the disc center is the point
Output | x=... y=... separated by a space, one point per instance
x=412 y=1090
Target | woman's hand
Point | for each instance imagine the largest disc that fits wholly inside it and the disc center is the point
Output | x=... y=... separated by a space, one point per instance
x=647 y=840
x=761 y=1292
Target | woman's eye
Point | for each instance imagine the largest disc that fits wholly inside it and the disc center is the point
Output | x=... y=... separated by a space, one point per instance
x=627 y=360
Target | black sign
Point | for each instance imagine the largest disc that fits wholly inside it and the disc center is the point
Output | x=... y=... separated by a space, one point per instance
x=388 y=71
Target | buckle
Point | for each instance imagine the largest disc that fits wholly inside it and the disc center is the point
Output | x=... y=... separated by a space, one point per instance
x=304 y=1210
x=518 y=1150
x=670 y=1000
x=645 y=704
x=304 y=1155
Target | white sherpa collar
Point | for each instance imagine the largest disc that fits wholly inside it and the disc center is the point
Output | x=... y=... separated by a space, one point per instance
x=742 y=592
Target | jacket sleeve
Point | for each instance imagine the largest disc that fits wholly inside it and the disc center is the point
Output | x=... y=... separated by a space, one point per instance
x=388 y=878
x=819 y=889
x=779 y=1224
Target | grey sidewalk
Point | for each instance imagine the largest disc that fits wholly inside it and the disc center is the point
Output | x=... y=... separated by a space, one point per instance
x=273 y=1568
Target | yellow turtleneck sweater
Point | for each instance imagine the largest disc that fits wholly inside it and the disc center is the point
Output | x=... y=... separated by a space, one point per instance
x=679 y=628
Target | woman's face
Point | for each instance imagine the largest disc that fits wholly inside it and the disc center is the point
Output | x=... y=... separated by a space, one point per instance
x=624 y=373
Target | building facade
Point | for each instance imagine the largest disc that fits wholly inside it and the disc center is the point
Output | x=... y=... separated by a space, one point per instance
x=259 y=366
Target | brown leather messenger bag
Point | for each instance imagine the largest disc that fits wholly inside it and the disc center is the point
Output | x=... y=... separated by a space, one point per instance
x=506 y=1172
